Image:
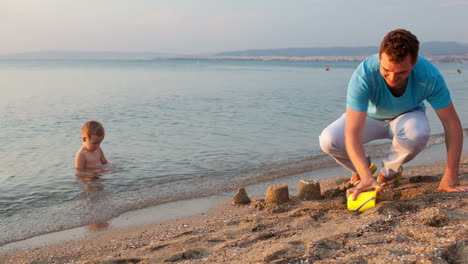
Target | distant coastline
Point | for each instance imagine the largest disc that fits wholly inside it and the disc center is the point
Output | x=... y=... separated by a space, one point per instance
x=451 y=52
x=436 y=59
x=449 y=59
x=461 y=59
x=273 y=58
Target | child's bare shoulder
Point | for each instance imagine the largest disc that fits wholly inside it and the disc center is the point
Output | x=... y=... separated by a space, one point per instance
x=81 y=153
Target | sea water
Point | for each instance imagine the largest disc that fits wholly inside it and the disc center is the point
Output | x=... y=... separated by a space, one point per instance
x=175 y=129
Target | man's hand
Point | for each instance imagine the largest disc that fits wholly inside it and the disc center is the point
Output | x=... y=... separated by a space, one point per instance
x=364 y=185
x=454 y=143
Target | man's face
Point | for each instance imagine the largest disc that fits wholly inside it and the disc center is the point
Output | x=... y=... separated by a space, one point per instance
x=395 y=74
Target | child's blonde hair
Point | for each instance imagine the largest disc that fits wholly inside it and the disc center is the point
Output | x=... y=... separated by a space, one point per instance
x=92 y=128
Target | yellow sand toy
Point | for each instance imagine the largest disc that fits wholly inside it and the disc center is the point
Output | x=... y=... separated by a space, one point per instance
x=364 y=201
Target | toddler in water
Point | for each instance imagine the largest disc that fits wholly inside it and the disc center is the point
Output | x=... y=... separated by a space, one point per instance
x=90 y=157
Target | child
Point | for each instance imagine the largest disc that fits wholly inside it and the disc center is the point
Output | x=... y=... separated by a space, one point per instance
x=90 y=157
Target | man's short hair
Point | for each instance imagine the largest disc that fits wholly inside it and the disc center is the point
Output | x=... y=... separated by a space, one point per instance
x=92 y=128
x=398 y=44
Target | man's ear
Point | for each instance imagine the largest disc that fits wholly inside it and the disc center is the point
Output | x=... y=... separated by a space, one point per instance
x=84 y=139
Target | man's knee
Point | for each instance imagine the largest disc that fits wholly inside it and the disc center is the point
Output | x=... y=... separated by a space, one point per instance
x=415 y=139
x=413 y=131
x=325 y=143
x=329 y=142
x=420 y=138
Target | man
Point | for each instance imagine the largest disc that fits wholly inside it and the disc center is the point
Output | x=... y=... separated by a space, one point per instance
x=385 y=100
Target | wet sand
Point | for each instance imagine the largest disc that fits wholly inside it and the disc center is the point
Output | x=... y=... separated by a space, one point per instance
x=411 y=224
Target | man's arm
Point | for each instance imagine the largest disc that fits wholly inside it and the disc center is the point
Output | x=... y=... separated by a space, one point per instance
x=454 y=145
x=354 y=129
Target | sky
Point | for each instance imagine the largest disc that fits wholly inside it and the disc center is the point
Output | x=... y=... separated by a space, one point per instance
x=210 y=26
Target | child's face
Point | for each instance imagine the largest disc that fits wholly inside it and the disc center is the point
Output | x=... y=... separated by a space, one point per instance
x=92 y=143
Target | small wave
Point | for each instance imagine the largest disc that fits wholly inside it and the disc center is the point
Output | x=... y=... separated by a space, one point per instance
x=440 y=138
x=4 y=177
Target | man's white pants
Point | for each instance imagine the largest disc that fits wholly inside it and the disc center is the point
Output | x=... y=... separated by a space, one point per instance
x=409 y=133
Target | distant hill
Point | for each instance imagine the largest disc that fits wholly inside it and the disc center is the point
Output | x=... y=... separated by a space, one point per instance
x=426 y=49
x=82 y=55
x=303 y=52
x=439 y=48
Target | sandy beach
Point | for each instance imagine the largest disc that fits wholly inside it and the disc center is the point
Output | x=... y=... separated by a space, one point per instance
x=410 y=224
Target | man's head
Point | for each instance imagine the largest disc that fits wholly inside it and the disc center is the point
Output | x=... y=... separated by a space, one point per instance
x=92 y=134
x=398 y=54
x=398 y=44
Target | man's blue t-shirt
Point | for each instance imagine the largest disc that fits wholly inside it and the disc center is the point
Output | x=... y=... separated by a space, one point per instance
x=367 y=90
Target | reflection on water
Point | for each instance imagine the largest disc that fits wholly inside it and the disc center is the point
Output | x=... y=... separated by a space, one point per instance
x=96 y=198
x=91 y=181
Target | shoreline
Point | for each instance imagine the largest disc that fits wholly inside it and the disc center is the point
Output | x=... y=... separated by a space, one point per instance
x=194 y=208
x=197 y=205
x=411 y=222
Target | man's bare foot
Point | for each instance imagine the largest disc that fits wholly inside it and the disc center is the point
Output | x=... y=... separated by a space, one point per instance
x=355 y=179
x=389 y=182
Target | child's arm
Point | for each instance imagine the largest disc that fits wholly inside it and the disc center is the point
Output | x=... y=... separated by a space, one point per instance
x=80 y=161
x=103 y=158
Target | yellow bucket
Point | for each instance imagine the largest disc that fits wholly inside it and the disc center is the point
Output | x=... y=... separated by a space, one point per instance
x=364 y=201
